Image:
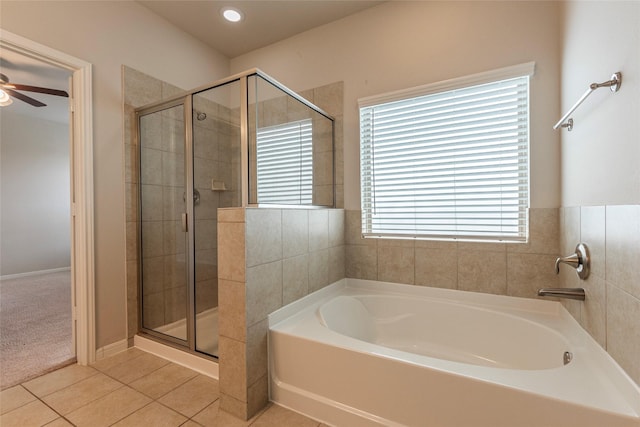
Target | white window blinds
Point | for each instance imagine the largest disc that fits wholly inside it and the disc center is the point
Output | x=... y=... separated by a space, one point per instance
x=284 y=155
x=449 y=164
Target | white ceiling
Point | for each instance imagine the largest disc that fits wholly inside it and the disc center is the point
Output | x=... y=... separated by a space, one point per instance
x=21 y=69
x=265 y=21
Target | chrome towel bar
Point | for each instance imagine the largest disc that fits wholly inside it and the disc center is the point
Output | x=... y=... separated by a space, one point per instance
x=613 y=84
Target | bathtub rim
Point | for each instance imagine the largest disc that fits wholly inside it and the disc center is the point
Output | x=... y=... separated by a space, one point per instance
x=616 y=376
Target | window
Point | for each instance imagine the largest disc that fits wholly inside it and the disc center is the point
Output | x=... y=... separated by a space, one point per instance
x=448 y=160
x=284 y=156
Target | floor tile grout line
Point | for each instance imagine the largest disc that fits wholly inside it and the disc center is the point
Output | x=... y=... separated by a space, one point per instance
x=35 y=400
x=188 y=419
x=97 y=362
x=56 y=412
x=50 y=370
x=174 y=388
x=97 y=371
x=93 y=400
x=57 y=390
x=120 y=384
x=126 y=361
x=96 y=399
x=197 y=413
x=128 y=415
x=137 y=391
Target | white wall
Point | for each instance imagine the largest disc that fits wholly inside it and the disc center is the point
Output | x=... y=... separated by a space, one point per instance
x=403 y=44
x=109 y=34
x=34 y=168
x=601 y=155
x=601 y=171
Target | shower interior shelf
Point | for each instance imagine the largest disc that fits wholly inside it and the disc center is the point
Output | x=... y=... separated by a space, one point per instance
x=613 y=84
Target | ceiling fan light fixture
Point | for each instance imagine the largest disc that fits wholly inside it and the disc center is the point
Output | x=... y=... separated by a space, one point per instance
x=231 y=14
x=5 y=99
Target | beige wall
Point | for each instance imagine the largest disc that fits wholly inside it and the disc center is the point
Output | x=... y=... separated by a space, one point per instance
x=35 y=194
x=601 y=172
x=403 y=44
x=108 y=35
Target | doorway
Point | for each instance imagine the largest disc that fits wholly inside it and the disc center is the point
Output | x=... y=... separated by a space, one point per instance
x=80 y=206
x=35 y=282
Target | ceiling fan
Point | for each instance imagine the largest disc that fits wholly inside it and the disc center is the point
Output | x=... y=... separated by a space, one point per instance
x=10 y=90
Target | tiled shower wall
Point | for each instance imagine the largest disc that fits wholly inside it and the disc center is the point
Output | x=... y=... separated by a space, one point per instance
x=611 y=312
x=268 y=258
x=516 y=269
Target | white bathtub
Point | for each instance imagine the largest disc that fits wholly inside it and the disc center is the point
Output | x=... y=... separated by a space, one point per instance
x=364 y=353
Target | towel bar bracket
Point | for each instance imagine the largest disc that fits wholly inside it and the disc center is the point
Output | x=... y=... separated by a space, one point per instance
x=568 y=124
x=613 y=84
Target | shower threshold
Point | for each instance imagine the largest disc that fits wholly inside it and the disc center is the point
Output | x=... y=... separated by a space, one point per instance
x=192 y=361
x=206 y=321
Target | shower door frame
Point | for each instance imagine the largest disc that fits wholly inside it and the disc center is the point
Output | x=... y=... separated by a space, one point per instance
x=186 y=99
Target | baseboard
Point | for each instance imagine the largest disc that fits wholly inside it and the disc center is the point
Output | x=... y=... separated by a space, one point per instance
x=34 y=273
x=188 y=360
x=111 y=349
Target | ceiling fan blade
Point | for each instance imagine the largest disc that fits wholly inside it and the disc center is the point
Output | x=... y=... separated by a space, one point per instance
x=24 y=98
x=45 y=90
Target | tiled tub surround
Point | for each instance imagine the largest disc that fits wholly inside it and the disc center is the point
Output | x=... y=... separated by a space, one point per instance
x=515 y=269
x=267 y=259
x=611 y=312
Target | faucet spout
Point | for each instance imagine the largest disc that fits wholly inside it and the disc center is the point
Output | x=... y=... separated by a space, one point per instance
x=569 y=293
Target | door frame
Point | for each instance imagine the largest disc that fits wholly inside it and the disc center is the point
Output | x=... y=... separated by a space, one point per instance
x=82 y=219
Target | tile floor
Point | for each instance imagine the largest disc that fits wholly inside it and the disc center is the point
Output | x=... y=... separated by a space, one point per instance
x=132 y=388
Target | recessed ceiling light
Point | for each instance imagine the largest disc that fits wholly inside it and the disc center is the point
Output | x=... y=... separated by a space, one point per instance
x=232 y=14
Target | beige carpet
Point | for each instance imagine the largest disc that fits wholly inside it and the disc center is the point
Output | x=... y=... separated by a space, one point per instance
x=35 y=326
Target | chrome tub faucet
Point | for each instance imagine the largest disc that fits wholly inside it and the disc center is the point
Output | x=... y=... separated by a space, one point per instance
x=578 y=260
x=569 y=293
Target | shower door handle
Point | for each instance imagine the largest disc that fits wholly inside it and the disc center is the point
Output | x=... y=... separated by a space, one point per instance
x=185 y=227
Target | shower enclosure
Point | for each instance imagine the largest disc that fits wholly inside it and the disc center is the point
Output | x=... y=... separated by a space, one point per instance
x=242 y=141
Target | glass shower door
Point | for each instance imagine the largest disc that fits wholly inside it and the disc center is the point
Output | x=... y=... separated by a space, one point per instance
x=216 y=184
x=164 y=240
